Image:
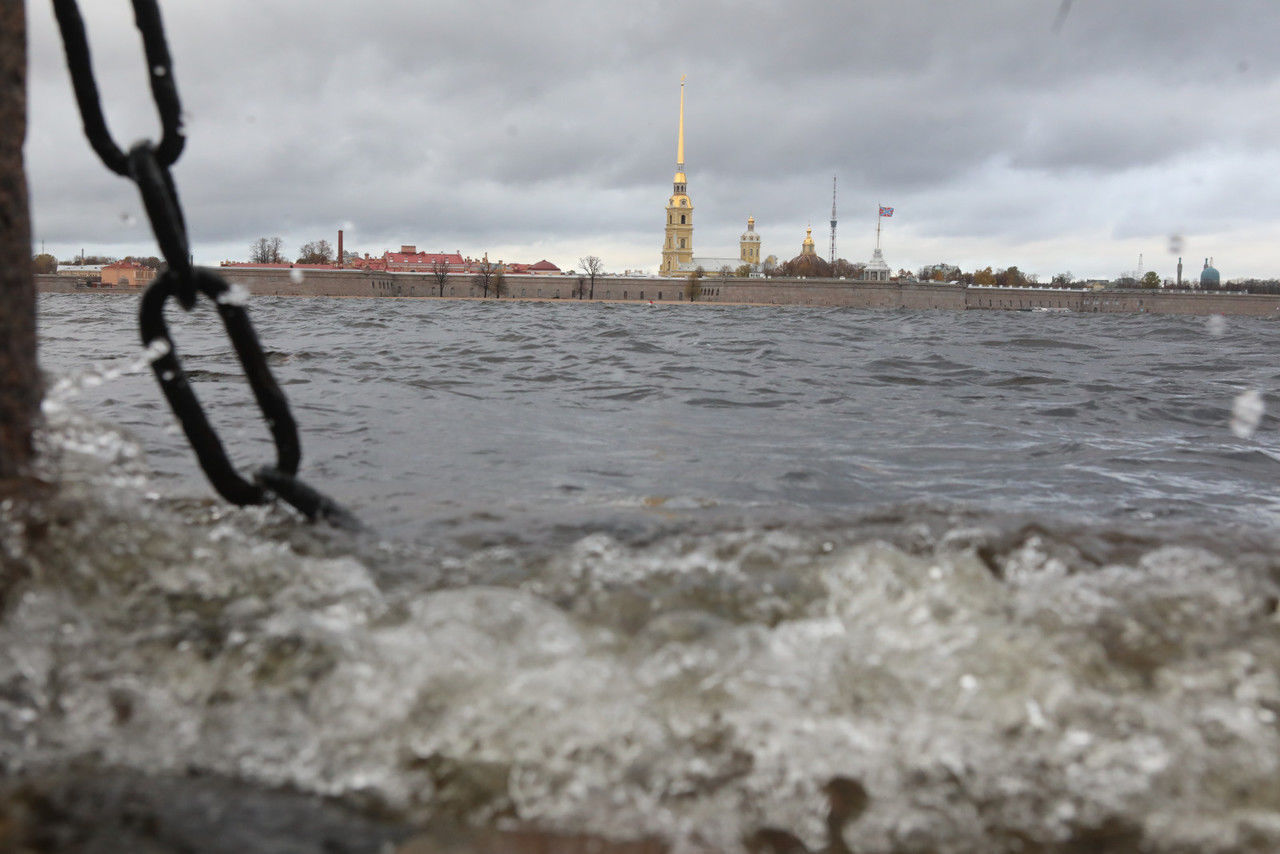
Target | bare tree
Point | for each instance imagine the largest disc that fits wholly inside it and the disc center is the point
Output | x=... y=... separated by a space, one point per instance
x=440 y=271
x=317 y=252
x=488 y=276
x=843 y=269
x=266 y=250
x=592 y=266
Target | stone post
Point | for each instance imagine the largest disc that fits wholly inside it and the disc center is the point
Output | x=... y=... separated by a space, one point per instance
x=19 y=377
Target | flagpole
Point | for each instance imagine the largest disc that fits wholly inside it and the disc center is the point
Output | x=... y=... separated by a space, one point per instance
x=878 y=218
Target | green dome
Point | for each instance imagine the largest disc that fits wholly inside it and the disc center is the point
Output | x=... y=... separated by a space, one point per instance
x=1209 y=277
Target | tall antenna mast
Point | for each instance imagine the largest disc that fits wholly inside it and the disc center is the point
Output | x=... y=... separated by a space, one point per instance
x=833 y=220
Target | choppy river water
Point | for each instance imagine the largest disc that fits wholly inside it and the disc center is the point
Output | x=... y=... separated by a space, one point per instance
x=668 y=570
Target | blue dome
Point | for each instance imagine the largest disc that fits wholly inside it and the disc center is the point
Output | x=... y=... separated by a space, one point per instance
x=1209 y=277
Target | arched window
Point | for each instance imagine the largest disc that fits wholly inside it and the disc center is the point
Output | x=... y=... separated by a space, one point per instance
x=682 y=219
x=682 y=243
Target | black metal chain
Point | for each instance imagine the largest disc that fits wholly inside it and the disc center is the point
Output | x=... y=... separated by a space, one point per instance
x=147 y=165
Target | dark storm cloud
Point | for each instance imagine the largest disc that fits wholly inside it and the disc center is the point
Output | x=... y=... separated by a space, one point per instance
x=487 y=123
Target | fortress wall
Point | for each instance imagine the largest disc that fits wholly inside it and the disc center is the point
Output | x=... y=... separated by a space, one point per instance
x=48 y=283
x=1128 y=301
x=715 y=289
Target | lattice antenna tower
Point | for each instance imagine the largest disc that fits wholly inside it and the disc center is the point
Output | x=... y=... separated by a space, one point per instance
x=833 y=220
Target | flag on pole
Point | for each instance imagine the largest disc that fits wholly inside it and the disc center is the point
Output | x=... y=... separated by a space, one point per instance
x=886 y=211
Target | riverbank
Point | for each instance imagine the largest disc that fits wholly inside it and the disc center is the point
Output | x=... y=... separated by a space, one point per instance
x=730 y=290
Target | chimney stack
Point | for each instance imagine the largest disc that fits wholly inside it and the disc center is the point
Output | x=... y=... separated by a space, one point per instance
x=340 y=264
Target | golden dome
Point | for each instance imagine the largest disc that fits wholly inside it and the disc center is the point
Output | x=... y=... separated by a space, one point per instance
x=807 y=247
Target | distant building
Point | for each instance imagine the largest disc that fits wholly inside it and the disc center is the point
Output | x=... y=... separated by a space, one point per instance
x=749 y=244
x=807 y=247
x=877 y=270
x=88 y=272
x=1210 y=280
x=677 y=244
x=127 y=274
x=541 y=268
x=410 y=260
x=677 y=248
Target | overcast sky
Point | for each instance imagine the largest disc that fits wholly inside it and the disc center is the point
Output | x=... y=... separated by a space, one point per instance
x=534 y=130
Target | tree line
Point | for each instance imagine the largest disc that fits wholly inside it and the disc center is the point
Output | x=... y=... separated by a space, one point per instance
x=270 y=250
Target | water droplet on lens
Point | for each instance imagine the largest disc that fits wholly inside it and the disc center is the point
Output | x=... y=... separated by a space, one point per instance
x=158 y=71
x=128 y=219
x=157 y=349
x=237 y=294
x=1246 y=413
x=296 y=276
x=1216 y=325
x=1175 y=244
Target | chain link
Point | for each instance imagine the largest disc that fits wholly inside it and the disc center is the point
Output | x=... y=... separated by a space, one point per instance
x=164 y=89
x=147 y=165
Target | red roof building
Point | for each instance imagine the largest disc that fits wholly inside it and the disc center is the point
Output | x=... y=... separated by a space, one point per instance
x=410 y=260
x=126 y=274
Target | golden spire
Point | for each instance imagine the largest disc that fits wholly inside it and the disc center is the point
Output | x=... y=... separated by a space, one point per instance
x=680 y=143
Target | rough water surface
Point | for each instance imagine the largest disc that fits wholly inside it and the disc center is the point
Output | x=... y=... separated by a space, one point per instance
x=667 y=572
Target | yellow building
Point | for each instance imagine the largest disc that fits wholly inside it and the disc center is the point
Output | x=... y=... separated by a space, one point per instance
x=677 y=248
x=677 y=244
x=807 y=247
x=749 y=244
x=127 y=274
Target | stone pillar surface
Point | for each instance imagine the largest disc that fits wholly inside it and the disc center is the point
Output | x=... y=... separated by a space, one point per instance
x=19 y=377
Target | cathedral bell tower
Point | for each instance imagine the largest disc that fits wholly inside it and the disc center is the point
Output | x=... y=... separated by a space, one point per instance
x=749 y=244
x=677 y=246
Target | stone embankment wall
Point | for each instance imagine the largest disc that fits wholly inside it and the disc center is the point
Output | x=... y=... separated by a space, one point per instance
x=715 y=289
